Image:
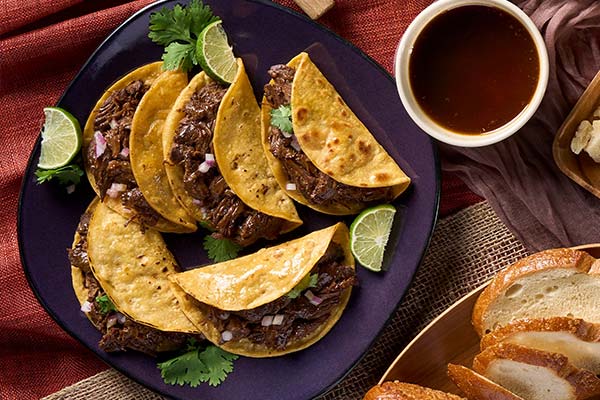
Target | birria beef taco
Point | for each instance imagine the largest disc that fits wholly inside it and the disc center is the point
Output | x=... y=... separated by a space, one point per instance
x=325 y=158
x=276 y=301
x=216 y=166
x=122 y=143
x=120 y=277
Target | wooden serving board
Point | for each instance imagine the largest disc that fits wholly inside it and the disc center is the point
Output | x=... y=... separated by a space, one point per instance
x=450 y=338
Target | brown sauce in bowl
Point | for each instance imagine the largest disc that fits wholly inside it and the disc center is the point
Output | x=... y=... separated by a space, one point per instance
x=473 y=69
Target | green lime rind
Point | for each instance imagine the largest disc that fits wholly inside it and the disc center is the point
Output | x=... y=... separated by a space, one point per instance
x=369 y=234
x=214 y=54
x=61 y=138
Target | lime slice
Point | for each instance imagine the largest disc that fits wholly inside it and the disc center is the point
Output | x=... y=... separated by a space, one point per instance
x=369 y=234
x=61 y=138
x=215 y=55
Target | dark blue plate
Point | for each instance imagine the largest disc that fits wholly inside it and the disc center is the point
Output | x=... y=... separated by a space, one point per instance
x=262 y=34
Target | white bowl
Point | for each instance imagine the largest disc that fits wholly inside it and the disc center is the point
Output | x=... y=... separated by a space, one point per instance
x=401 y=70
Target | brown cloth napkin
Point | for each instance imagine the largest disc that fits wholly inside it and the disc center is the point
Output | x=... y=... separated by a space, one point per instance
x=518 y=176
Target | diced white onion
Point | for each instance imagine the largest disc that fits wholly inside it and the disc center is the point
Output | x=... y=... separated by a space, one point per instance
x=267 y=320
x=86 y=307
x=209 y=157
x=100 y=143
x=115 y=189
x=278 y=319
x=290 y=186
x=226 y=336
x=223 y=316
x=314 y=300
x=121 y=318
x=70 y=189
x=286 y=134
x=204 y=167
x=124 y=152
x=197 y=202
x=113 y=124
x=111 y=321
x=294 y=143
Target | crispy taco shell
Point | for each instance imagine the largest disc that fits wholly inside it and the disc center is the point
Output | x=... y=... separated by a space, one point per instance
x=133 y=269
x=237 y=151
x=176 y=220
x=333 y=138
x=257 y=279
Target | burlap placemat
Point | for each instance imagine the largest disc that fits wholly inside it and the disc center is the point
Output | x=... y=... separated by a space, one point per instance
x=466 y=250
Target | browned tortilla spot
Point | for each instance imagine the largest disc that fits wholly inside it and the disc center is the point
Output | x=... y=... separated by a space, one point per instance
x=301 y=114
x=381 y=176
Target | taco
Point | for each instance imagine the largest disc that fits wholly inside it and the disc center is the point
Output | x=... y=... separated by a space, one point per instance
x=120 y=277
x=324 y=157
x=215 y=163
x=122 y=142
x=276 y=301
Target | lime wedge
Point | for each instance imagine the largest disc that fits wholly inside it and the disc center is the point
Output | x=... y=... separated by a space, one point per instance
x=369 y=234
x=215 y=55
x=61 y=138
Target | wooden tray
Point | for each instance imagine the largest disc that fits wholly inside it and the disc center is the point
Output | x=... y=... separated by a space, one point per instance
x=580 y=168
x=450 y=338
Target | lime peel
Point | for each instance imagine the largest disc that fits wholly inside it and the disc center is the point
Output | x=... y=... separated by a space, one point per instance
x=61 y=138
x=369 y=235
x=215 y=55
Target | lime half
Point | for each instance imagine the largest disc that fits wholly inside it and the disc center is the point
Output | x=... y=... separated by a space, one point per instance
x=369 y=234
x=61 y=138
x=215 y=55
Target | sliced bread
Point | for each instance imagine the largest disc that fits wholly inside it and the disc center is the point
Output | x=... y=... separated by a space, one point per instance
x=572 y=337
x=406 y=391
x=476 y=386
x=551 y=283
x=535 y=374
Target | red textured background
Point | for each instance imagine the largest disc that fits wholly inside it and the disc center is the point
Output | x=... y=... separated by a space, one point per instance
x=43 y=43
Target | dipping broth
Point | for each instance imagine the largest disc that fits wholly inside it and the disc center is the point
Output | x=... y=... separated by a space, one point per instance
x=473 y=69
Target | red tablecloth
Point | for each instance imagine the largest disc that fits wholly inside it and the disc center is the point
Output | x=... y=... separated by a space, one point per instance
x=43 y=43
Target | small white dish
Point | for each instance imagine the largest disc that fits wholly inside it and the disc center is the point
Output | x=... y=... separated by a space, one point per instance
x=401 y=70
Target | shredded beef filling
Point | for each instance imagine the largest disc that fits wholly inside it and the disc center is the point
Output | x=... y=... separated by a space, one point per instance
x=300 y=316
x=119 y=332
x=314 y=185
x=222 y=209
x=113 y=122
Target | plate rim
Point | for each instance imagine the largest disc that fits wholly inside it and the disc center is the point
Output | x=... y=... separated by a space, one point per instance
x=436 y=201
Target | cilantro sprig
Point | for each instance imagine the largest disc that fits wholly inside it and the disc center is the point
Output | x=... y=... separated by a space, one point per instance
x=68 y=175
x=282 y=118
x=105 y=304
x=221 y=249
x=309 y=281
x=178 y=29
x=198 y=365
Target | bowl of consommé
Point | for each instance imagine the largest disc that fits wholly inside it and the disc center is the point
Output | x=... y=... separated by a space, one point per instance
x=471 y=72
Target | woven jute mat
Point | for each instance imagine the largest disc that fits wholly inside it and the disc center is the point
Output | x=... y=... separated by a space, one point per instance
x=466 y=250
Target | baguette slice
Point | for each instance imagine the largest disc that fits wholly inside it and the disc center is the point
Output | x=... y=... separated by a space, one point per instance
x=535 y=374
x=551 y=283
x=572 y=337
x=406 y=391
x=476 y=386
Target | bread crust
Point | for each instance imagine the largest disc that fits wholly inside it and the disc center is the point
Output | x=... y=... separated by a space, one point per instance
x=585 y=383
x=548 y=259
x=476 y=386
x=406 y=391
x=586 y=331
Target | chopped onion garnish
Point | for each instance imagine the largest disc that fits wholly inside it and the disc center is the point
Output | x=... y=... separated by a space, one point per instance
x=111 y=321
x=223 y=316
x=86 y=307
x=226 y=336
x=113 y=123
x=121 y=318
x=278 y=319
x=286 y=134
x=100 y=143
x=204 y=167
x=115 y=189
x=125 y=152
x=294 y=143
x=314 y=300
x=290 y=186
x=70 y=189
x=209 y=157
x=197 y=202
x=267 y=320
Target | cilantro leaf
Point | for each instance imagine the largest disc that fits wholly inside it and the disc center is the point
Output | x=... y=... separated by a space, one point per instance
x=308 y=281
x=282 y=118
x=178 y=29
x=221 y=249
x=211 y=365
x=105 y=304
x=67 y=175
